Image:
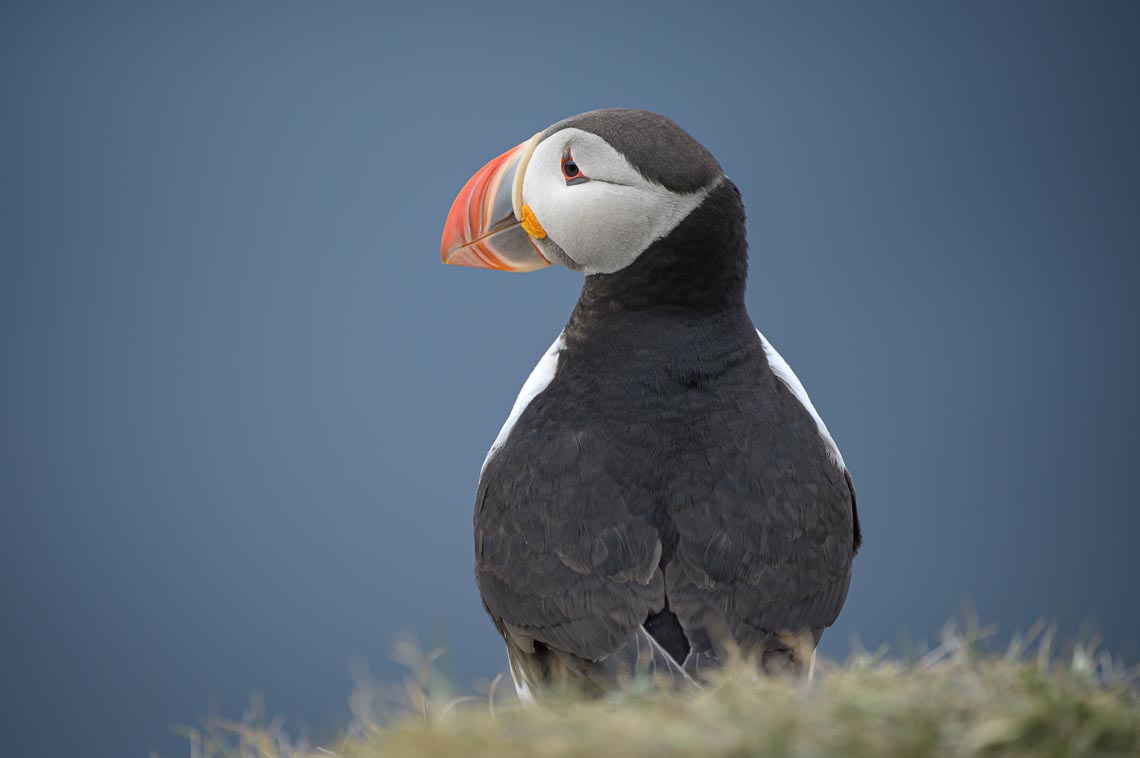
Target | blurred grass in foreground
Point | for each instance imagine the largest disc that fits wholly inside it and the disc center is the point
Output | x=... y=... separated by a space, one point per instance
x=957 y=699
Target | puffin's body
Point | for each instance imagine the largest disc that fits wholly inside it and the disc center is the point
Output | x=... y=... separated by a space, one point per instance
x=663 y=490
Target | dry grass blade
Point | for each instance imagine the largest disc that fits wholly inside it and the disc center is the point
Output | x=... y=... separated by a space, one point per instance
x=955 y=700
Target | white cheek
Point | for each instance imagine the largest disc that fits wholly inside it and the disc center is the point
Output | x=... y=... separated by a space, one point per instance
x=606 y=223
x=603 y=227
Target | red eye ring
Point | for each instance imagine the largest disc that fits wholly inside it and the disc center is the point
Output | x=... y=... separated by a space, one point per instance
x=570 y=170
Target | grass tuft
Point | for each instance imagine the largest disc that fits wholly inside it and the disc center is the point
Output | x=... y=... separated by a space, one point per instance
x=958 y=699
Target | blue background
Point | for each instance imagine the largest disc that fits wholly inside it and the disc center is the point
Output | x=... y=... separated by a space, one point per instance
x=243 y=407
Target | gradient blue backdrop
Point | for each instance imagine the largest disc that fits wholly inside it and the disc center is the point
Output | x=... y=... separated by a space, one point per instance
x=243 y=407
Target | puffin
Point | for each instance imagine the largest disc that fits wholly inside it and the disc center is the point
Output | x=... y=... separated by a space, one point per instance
x=663 y=494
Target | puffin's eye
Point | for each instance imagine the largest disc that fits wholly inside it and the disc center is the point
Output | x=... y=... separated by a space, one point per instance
x=570 y=171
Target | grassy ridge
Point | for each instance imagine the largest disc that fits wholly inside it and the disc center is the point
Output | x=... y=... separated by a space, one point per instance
x=954 y=700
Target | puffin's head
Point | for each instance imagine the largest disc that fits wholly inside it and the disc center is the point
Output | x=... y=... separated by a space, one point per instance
x=591 y=193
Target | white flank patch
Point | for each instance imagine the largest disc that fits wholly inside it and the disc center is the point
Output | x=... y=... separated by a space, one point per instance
x=785 y=374
x=538 y=380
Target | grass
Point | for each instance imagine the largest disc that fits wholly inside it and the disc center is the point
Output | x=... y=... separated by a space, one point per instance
x=959 y=699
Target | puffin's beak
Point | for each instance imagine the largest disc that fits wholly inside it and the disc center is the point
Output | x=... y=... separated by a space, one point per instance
x=483 y=228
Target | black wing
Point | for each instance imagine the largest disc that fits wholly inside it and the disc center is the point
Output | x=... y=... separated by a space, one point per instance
x=766 y=553
x=560 y=556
